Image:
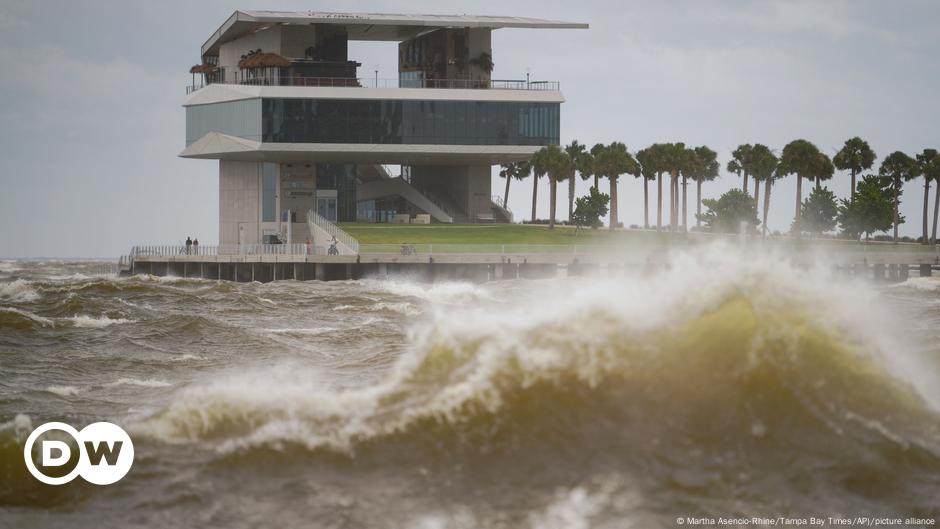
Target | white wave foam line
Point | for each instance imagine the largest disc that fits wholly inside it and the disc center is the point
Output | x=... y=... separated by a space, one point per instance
x=63 y=391
x=20 y=426
x=46 y=322
x=148 y=383
x=273 y=406
x=925 y=284
x=453 y=292
x=8 y=266
x=19 y=290
x=90 y=322
x=185 y=358
x=402 y=308
x=303 y=330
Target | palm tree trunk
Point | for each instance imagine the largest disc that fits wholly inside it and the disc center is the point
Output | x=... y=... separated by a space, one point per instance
x=698 y=203
x=646 y=202
x=613 y=202
x=675 y=202
x=672 y=201
x=685 y=214
x=936 y=208
x=506 y=193
x=659 y=203
x=570 y=197
x=745 y=183
x=766 y=206
x=756 y=192
x=854 y=172
x=596 y=183
x=552 y=193
x=535 y=194
x=799 y=204
x=897 y=189
x=926 y=206
x=817 y=181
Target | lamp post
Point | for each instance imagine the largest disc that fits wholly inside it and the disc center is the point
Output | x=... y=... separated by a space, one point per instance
x=526 y=77
x=376 y=75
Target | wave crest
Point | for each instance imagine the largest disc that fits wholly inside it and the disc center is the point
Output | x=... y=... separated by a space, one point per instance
x=760 y=351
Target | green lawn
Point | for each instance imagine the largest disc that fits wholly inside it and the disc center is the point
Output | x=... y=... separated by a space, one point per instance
x=393 y=235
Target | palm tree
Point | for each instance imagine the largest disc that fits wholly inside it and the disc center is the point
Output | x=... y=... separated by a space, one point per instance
x=536 y=174
x=739 y=163
x=934 y=170
x=803 y=159
x=704 y=167
x=556 y=163
x=923 y=167
x=855 y=156
x=825 y=169
x=613 y=161
x=646 y=158
x=509 y=171
x=763 y=167
x=596 y=151
x=675 y=160
x=899 y=167
x=576 y=152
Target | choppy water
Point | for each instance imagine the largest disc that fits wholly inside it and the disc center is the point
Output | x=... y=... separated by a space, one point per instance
x=724 y=387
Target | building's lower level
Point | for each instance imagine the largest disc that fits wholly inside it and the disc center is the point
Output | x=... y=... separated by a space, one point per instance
x=268 y=202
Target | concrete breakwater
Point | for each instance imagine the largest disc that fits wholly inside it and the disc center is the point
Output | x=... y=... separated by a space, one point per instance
x=466 y=267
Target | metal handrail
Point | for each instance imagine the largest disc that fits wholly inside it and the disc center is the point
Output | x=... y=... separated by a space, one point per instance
x=371 y=82
x=341 y=236
x=166 y=250
x=508 y=250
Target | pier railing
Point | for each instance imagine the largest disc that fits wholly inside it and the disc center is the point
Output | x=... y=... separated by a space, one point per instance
x=485 y=249
x=372 y=82
x=167 y=250
x=344 y=239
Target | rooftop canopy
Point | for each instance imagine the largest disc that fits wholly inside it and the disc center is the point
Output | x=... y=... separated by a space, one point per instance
x=371 y=26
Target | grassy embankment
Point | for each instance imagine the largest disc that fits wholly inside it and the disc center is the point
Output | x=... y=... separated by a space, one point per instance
x=450 y=236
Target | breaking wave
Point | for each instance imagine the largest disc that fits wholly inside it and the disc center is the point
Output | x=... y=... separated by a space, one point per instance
x=762 y=356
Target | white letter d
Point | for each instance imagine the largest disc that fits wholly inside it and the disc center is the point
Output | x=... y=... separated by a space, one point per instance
x=55 y=453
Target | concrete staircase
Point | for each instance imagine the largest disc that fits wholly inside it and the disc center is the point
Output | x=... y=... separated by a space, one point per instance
x=384 y=187
x=501 y=213
x=322 y=233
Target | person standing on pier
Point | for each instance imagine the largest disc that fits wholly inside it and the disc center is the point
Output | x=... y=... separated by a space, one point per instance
x=196 y=246
x=189 y=245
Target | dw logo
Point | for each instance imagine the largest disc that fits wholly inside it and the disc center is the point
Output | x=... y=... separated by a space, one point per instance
x=105 y=453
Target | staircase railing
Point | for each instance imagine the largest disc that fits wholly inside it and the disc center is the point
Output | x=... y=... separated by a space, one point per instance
x=333 y=230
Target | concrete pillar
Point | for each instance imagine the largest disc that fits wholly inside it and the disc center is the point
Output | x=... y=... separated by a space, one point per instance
x=383 y=270
x=893 y=272
x=904 y=272
x=879 y=272
x=349 y=271
x=320 y=271
x=925 y=270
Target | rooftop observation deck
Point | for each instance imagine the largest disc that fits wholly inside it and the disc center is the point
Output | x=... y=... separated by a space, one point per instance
x=372 y=82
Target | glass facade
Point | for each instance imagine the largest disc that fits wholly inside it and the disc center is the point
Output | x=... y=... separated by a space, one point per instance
x=409 y=122
x=342 y=179
x=235 y=118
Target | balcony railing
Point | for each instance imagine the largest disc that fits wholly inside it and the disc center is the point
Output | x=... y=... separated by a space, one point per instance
x=372 y=82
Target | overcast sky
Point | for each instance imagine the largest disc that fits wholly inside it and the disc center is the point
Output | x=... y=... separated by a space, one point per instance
x=91 y=122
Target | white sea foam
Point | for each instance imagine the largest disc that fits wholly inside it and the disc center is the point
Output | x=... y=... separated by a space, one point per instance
x=925 y=284
x=90 y=322
x=302 y=330
x=185 y=358
x=64 y=391
x=452 y=292
x=18 y=291
x=148 y=383
x=402 y=307
x=7 y=267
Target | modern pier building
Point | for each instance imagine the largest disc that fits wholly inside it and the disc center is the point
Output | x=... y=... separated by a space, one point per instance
x=279 y=102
